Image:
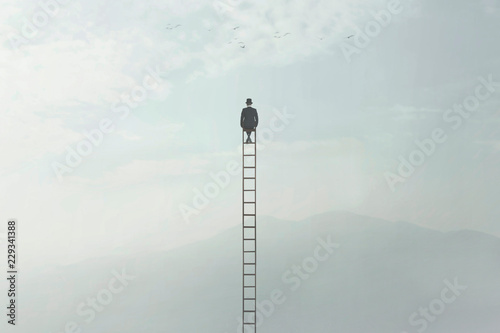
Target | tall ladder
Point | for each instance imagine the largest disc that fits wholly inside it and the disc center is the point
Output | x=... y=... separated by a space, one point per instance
x=249 y=199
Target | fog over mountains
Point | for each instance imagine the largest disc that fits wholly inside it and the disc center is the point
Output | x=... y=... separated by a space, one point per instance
x=335 y=272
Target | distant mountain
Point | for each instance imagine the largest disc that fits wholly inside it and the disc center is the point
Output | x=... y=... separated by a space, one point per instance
x=334 y=272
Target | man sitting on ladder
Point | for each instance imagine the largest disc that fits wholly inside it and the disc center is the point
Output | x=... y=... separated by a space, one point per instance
x=249 y=119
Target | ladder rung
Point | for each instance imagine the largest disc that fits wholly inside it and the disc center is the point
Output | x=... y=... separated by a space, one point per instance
x=249 y=190
x=250 y=167
x=249 y=202
x=250 y=299
x=249 y=251
x=248 y=226
x=249 y=155
x=249 y=274
x=249 y=238
x=248 y=214
x=248 y=177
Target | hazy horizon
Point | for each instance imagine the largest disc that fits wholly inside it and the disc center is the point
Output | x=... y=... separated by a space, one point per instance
x=338 y=270
x=344 y=90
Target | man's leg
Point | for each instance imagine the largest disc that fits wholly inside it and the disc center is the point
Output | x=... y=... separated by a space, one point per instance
x=249 y=140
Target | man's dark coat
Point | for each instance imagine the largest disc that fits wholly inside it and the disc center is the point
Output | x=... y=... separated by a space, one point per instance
x=249 y=118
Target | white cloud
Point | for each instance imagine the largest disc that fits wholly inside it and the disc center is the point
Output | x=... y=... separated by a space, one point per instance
x=145 y=171
x=64 y=74
x=88 y=59
x=27 y=137
x=493 y=144
x=128 y=136
x=260 y=22
x=330 y=148
x=491 y=7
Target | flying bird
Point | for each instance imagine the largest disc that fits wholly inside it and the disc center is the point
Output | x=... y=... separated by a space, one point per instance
x=281 y=35
x=169 y=27
x=236 y=28
x=350 y=36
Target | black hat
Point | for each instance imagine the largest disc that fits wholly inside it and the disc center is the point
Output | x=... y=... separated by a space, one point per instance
x=249 y=101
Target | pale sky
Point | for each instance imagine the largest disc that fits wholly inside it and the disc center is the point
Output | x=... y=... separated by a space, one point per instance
x=350 y=118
